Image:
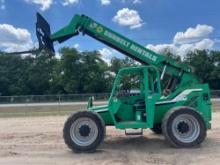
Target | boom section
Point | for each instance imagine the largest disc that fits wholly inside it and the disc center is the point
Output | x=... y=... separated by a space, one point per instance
x=88 y=26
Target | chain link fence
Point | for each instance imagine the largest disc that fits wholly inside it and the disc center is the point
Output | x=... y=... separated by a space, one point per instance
x=215 y=94
x=65 y=98
x=52 y=98
x=39 y=105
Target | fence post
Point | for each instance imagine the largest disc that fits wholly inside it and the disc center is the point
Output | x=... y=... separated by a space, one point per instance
x=26 y=107
x=59 y=105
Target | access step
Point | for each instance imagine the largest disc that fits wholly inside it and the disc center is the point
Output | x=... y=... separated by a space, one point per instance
x=133 y=131
x=131 y=125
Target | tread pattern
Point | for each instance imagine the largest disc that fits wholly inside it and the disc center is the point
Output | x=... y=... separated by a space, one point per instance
x=167 y=131
x=101 y=131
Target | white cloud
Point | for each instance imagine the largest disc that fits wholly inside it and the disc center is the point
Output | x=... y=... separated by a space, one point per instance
x=105 y=2
x=161 y=48
x=2 y=7
x=193 y=34
x=45 y=4
x=69 y=2
x=204 y=44
x=107 y=54
x=2 y=4
x=133 y=1
x=185 y=42
x=187 y=48
x=127 y=17
x=76 y=46
x=14 y=39
x=57 y=55
x=217 y=40
x=137 y=1
x=182 y=49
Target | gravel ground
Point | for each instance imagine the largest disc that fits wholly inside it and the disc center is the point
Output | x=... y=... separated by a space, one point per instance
x=38 y=140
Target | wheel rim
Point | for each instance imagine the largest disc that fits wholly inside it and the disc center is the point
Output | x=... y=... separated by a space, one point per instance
x=186 y=128
x=83 y=131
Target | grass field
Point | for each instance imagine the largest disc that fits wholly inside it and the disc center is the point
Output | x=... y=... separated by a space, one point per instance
x=42 y=109
x=56 y=109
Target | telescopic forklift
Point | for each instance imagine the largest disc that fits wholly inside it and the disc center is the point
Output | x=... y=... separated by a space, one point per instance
x=161 y=94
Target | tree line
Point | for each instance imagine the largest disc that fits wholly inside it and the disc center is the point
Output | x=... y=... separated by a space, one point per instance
x=83 y=72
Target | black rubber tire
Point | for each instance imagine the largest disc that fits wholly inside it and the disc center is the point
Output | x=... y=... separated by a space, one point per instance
x=157 y=129
x=101 y=131
x=167 y=127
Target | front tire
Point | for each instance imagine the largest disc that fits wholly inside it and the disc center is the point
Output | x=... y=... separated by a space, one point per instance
x=84 y=131
x=183 y=127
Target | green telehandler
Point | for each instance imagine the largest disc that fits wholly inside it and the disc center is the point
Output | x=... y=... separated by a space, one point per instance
x=161 y=94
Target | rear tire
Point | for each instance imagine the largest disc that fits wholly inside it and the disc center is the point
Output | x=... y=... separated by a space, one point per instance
x=157 y=129
x=183 y=127
x=84 y=131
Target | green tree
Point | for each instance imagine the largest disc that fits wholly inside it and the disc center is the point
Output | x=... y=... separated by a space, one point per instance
x=11 y=74
x=93 y=78
x=207 y=66
x=117 y=63
x=83 y=72
x=39 y=75
x=69 y=70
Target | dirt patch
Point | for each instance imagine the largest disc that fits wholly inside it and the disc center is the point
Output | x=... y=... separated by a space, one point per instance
x=38 y=140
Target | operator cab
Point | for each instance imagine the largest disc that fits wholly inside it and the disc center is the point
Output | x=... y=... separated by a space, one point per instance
x=134 y=94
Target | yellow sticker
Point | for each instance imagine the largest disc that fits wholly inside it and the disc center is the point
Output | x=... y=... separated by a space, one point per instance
x=99 y=29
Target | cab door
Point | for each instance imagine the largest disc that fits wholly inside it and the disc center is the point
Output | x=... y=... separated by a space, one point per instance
x=128 y=89
x=152 y=92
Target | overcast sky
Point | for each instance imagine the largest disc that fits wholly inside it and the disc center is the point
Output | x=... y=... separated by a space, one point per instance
x=179 y=25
